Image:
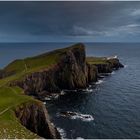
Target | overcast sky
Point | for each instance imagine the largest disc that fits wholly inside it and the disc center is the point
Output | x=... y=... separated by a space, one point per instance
x=70 y=21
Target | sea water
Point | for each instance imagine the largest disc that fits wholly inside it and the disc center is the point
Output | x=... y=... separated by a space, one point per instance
x=113 y=102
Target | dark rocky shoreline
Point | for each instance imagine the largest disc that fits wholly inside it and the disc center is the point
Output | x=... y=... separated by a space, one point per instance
x=72 y=72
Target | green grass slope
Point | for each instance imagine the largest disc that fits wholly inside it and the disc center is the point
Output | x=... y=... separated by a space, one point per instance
x=96 y=60
x=32 y=64
x=17 y=69
x=10 y=127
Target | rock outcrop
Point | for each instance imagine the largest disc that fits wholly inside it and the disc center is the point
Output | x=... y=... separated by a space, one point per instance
x=92 y=71
x=71 y=72
x=109 y=66
x=115 y=63
x=104 y=68
x=34 y=117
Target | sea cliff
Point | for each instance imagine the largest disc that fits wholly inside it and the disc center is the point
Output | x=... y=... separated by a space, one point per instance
x=48 y=74
x=34 y=117
x=72 y=71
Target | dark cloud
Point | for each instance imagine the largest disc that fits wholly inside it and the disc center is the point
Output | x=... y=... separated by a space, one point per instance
x=43 y=21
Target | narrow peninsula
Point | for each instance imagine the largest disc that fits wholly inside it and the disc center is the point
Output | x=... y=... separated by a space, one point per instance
x=25 y=83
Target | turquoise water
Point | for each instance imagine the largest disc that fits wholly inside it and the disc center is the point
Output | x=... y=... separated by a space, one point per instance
x=114 y=102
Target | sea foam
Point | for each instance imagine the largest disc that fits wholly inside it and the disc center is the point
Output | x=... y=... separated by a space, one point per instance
x=79 y=138
x=75 y=115
x=83 y=117
x=62 y=132
x=99 y=82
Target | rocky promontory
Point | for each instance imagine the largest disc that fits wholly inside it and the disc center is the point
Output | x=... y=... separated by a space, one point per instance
x=34 y=117
x=72 y=71
x=48 y=74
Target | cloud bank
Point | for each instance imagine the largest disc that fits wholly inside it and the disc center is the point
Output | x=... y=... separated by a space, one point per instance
x=70 y=21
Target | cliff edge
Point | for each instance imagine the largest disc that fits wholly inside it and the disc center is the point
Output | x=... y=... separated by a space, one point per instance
x=34 y=117
x=46 y=75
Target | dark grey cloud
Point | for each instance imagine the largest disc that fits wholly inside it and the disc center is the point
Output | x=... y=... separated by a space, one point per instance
x=54 y=21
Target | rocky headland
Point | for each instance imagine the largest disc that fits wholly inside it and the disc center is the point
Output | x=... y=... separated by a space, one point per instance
x=47 y=75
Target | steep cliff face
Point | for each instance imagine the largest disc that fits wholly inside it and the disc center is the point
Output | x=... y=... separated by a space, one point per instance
x=35 y=118
x=104 y=65
x=65 y=68
x=71 y=72
x=104 y=68
x=92 y=73
x=115 y=63
x=109 y=66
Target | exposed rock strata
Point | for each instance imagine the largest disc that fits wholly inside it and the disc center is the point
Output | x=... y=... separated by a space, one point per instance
x=92 y=73
x=34 y=117
x=109 y=66
x=71 y=72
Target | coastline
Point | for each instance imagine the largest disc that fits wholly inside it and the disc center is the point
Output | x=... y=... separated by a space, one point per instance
x=72 y=59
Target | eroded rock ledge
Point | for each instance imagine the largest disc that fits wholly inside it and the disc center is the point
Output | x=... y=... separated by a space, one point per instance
x=34 y=117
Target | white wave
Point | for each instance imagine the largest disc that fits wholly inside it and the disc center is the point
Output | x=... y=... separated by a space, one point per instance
x=62 y=132
x=90 y=86
x=62 y=93
x=83 y=117
x=87 y=90
x=79 y=138
x=75 y=115
x=125 y=66
x=112 y=57
x=99 y=82
x=102 y=76
x=47 y=98
x=113 y=72
x=56 y=96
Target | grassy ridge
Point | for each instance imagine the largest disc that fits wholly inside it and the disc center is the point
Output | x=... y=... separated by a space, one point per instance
x=96 y=60
x=19 y=68
x=32 y=64
x=10 y=98
x=22 y=67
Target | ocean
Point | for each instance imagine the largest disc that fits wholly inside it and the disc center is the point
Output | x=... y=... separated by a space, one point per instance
x=113 y=103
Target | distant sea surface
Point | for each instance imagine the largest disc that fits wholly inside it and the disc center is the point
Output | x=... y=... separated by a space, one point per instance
x=113 y=102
